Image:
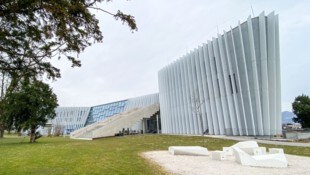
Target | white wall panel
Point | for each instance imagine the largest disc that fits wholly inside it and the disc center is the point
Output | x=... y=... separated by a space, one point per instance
x=243 y=121
x=180 y=99
x=202 y=107
x=184 y=95
x=192 y=92
x=258 y=120
x=188 y=96
x=228 y=87
x=195 y=93
x=235 y=76
x=211 y=91
x=278 y=78
x=236 y=122
x=176 y=100
x=205 y=88
x=221 y=84
x=271 y=71
x=216 y=88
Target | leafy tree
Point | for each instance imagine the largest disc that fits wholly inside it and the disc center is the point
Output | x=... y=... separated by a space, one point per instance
x=29 y=107
x=301 y=108
x=4 y=83
x=34 y=31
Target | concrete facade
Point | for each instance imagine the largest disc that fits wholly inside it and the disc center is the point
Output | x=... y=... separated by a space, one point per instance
x=230 y=85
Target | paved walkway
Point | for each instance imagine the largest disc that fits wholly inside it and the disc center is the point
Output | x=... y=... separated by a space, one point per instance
x=245 y=138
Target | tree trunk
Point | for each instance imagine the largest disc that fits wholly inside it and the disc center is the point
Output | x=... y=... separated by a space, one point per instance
x=32 y=134
x=201 y=123
x=2 y=87
x=1 y=130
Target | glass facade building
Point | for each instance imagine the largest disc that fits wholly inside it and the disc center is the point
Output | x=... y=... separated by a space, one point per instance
x=100 y=112
x=70 y=119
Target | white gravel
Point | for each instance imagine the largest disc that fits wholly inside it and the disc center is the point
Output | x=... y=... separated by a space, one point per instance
x=199 y=165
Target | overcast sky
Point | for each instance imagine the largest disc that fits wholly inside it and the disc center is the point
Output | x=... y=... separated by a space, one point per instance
x=125 y=65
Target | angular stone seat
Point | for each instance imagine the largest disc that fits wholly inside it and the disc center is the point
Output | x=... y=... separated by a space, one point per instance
x=275 y=150
x=251 y=147
x=218 y=155
x=255 y=150
x=277 y=160
x=246 y=144
x=188 y=150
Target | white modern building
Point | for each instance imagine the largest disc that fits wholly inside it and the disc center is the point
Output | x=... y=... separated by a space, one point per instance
x=229 y=85
x=70 y=119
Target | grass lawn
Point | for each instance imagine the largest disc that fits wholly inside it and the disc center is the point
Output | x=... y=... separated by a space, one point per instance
x=115 y=155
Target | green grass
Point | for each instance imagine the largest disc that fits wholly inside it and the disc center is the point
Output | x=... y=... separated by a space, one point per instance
x=115 y=155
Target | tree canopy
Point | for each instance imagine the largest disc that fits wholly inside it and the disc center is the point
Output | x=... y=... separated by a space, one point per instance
x=31 y=106
x=34 y=31
x=301 y=108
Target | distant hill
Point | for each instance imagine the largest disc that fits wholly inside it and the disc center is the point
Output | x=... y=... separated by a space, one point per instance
x=287 y=117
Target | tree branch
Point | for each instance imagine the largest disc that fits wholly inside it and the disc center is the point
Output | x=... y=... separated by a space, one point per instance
x=96 y=8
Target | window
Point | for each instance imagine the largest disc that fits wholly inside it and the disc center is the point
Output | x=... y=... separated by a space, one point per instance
x=231 y=87
x=218 y=87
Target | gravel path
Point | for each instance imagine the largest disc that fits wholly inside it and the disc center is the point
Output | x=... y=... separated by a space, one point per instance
x=199 y=165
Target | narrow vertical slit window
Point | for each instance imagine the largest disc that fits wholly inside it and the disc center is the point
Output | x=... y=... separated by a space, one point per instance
x=218 y=87
x=215 y=65
x=235 y=83
x=231 y=87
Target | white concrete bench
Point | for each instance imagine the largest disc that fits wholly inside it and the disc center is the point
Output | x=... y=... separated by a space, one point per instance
x=188 y=150
x=228 y=151
x=275 y=150
x=218 y=155
x=251 y=151
x=246 y=144
x=269 y=160
x=255 y=151
x=250 y=147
